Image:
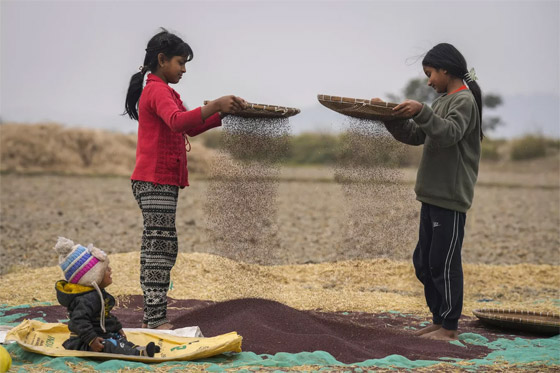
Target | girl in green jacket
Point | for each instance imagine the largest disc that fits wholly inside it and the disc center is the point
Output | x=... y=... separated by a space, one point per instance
x=451 y=133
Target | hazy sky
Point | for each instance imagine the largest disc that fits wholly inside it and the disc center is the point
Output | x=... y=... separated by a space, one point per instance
x=71 y=61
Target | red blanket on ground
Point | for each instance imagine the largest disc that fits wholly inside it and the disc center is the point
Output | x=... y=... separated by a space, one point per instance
x=269 y=327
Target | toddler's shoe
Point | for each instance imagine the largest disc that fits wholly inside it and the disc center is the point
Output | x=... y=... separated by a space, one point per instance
x=150 y=350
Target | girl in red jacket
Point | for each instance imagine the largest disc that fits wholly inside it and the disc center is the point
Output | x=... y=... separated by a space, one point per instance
x=161 y=160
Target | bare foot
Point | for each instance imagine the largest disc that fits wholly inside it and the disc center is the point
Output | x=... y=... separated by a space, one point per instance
x=166 y=326
x=144 y=325
x=427 y=329
x=442 y=334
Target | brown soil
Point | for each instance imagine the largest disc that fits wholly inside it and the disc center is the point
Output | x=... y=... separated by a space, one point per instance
x=303 y=215
x=506 y=225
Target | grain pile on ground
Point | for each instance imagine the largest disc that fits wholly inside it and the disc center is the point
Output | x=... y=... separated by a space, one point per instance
x=375 y=303
x=374 y=285
x=52 y=148
x=276 y=328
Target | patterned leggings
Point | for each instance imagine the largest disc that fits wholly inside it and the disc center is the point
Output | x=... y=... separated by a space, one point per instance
x=159 y=246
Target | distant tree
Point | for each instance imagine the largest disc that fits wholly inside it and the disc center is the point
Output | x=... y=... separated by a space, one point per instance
x=491 y=101
x=418 y=89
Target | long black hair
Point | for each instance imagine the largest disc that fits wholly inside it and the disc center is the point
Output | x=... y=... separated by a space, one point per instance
x=446 y=56
x=163 y=42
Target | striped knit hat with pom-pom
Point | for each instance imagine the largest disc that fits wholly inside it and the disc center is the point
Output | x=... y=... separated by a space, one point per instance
x=81 y=265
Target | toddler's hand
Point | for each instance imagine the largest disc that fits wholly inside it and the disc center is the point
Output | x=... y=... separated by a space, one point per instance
x=408 y=108
x=97 y=344
x=121 y=332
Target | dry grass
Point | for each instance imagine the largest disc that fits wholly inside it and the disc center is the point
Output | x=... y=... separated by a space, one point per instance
x=375 y=285
x=52 y=148
x=505 y=225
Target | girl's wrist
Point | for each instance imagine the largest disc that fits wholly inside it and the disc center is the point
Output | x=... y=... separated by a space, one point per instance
x=210 y=109
x=420 y=107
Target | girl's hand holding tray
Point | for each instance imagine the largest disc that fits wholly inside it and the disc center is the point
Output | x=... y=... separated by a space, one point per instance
x=252 y=110
x=373 y=109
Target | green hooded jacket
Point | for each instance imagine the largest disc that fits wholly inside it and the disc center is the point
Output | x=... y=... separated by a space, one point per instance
x=450 y=133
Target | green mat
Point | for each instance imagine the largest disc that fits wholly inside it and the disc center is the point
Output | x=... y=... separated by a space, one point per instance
x=518 y=351
x=545 y=351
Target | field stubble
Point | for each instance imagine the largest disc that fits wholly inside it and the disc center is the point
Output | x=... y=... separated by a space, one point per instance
x=506 y=225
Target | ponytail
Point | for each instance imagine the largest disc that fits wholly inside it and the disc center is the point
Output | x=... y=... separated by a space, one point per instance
x=163 y=42
x=476 y=92
x=446 y=56
x=133 y=94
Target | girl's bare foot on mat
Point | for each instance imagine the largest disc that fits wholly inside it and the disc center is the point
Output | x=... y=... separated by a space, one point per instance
x=442 y=335
x=427 y=329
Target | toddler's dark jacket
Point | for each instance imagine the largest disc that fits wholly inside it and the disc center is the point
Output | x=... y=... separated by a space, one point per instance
x=84 y=311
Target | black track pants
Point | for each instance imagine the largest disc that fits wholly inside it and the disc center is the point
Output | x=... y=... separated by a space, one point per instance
x=437 y=262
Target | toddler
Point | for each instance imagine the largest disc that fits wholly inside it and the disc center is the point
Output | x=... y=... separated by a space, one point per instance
x=92 y=326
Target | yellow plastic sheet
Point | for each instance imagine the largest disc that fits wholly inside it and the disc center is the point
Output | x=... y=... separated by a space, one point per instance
x=47 y=339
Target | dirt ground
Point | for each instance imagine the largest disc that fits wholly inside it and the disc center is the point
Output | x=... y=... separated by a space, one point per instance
x=515 y=218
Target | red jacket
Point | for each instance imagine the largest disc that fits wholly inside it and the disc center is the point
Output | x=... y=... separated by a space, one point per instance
x=161 y=157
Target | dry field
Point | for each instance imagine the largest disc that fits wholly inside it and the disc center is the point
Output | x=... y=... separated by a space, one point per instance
x=290 y=230
x=515 y=219
x=50 y=185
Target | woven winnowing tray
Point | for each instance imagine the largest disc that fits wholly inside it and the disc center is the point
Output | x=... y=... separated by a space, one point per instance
x=361 y=108
x=536 y=322
x=265 y=111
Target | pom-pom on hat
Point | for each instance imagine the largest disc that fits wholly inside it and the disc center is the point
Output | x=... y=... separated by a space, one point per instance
x=81 y=265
